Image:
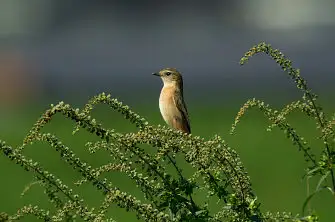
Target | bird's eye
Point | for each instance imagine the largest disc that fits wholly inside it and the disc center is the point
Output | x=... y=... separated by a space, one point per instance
x=168 y=73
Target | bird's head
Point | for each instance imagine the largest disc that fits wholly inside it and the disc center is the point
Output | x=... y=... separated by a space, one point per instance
x=170 y=76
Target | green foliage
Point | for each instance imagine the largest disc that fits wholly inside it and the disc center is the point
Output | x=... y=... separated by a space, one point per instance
x=323 y=166
x=167 y=196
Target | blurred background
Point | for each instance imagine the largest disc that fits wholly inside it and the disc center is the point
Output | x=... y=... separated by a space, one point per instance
x=70 y=50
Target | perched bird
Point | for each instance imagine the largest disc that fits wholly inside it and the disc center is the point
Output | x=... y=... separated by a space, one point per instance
x=171 y=100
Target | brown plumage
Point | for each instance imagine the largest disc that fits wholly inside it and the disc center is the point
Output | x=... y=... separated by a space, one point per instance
x=171 y=100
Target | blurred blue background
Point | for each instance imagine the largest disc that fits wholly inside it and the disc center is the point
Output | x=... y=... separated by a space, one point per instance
x=70 y=50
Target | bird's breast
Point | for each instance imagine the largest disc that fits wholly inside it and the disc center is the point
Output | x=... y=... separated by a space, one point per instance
x=166 y=104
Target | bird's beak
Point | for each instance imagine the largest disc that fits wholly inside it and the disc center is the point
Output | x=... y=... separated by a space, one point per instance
x=155 y=74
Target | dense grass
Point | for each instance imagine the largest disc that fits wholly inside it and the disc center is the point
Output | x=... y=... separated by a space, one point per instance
x=274 y=164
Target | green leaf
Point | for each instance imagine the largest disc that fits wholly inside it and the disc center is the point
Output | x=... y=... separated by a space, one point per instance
x=312 y=195
x=321 y=180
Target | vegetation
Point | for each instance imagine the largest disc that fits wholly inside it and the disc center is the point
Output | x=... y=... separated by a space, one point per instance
x=169 y=194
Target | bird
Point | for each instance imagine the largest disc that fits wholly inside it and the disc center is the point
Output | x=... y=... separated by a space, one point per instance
x=171 y=100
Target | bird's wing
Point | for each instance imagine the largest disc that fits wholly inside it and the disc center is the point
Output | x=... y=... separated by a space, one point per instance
x=184 y=122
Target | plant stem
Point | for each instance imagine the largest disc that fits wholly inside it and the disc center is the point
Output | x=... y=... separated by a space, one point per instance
x=310 y=97
x=194 y=207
